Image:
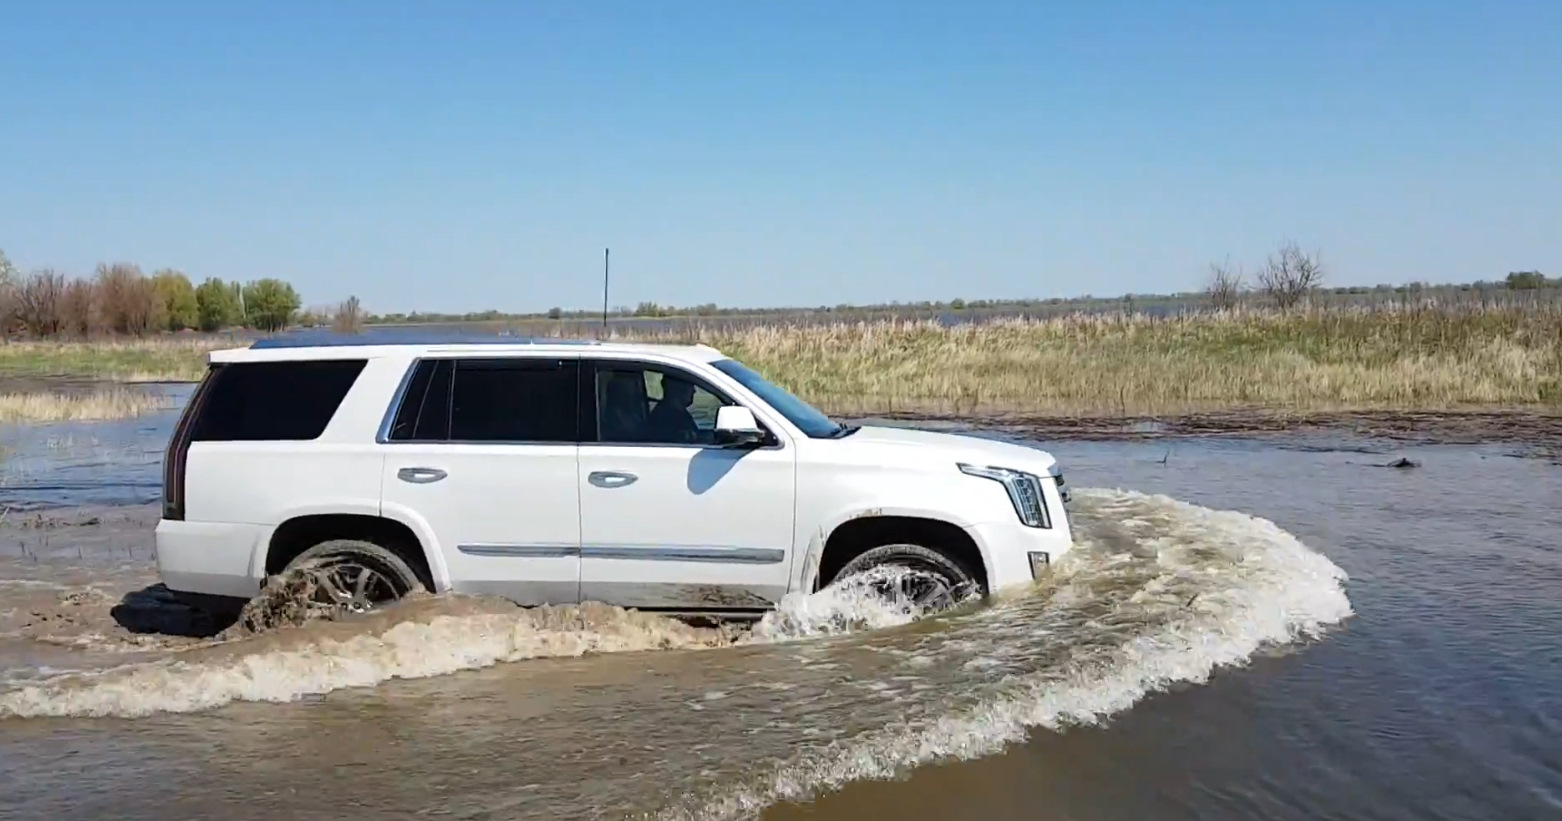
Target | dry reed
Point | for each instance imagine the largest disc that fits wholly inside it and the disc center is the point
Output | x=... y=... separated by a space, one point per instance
x=151 y=359
x=1426 y=357
x=1130 y=365
x=45 y=406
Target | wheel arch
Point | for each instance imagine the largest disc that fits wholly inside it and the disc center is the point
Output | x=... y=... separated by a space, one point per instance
x=304 y=529
x=851 y=535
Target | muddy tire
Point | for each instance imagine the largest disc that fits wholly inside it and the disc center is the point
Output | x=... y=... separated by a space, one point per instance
x=939 y=582
x=353 y=576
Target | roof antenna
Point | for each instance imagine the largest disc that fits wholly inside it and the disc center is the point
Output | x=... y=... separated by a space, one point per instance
x=605 y=252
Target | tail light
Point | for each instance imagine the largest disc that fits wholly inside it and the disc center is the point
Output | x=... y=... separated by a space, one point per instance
x=179 y=448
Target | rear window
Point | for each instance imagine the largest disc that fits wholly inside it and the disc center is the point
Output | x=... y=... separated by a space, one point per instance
x=273 y=401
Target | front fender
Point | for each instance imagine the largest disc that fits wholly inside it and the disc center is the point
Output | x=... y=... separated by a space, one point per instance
x=806 y=573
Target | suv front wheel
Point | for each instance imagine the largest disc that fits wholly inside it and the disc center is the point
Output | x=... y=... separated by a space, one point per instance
x=912 y=574
x=353 y=576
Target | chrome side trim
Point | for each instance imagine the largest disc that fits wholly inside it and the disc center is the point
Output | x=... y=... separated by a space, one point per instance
x=686 y=553
x=658 y=553
x=521 y=551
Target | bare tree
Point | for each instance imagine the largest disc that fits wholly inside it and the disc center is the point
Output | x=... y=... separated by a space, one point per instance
x=10 y=284
x=348 y=317
x=1290 y=275
x=1225 y=285
x=37 y=302
x=80 y=311
x=128 y=300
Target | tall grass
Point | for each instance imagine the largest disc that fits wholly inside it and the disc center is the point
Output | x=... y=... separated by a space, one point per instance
x=46 y=406
x=1387 y=357
x=151 y=359
x=1127 y=364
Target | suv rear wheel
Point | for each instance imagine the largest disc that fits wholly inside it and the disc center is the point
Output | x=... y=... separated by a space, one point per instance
x=926 y=578
x=353 y=576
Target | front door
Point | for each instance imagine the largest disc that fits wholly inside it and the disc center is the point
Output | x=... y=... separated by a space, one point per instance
x=484 y=450
x=669 y=519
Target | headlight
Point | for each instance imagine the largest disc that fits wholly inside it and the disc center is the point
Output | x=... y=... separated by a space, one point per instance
x=1057 y=479
x=1024 y=491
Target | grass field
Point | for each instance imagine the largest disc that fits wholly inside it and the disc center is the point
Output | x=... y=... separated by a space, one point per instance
x=155 y=359
x=1430 y=358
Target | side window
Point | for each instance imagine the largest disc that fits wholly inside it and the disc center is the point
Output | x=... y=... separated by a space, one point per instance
x=424 y=414
x=514 y=400
x=640 y=403
x=274 y=401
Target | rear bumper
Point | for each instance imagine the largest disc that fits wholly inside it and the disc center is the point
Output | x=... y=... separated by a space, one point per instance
x=209 y=558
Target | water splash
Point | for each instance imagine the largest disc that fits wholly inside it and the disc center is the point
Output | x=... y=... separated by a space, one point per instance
x=853 y=604
x=1158 y=591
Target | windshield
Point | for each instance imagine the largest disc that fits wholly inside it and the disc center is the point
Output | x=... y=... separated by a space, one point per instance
x=806 y=417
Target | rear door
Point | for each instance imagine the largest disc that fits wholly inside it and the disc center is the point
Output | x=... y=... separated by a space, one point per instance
x=485 y=450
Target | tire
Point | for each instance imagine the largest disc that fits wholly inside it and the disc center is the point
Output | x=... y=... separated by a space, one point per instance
x=959 y=583
x=353 y=576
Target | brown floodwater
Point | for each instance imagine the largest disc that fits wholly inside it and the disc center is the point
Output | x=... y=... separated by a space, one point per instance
x=1269 y=627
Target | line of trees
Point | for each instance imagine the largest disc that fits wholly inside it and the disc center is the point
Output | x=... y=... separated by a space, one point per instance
x=119 y=300
x=1287 y=278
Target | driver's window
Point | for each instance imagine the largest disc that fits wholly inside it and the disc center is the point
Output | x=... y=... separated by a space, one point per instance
x=702 y=404
x=645 y=404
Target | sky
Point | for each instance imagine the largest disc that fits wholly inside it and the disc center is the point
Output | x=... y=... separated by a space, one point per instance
x=461 y=156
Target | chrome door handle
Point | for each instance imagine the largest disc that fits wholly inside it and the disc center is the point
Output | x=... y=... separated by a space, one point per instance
x=420 y=476
x=610 y=478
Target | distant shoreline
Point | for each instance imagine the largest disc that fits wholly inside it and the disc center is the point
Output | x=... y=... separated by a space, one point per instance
x=1438 y=359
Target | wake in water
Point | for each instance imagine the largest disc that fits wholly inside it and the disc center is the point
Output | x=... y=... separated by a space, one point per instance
x=1156 y=591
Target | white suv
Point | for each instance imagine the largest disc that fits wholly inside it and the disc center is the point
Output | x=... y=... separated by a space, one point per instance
x=656 y=477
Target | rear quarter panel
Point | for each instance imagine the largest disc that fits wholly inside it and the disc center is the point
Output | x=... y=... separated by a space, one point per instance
x=268 y=482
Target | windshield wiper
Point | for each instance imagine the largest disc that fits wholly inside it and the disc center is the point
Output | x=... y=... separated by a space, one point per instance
x=843 y=431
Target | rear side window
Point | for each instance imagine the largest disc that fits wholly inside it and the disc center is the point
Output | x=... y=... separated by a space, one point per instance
x=490 y=400
x=273 y=401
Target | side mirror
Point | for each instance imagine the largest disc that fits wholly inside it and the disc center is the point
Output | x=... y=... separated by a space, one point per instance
x=737 y=427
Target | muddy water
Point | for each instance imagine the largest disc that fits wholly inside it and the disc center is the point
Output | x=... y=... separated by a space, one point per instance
x=1250 y=629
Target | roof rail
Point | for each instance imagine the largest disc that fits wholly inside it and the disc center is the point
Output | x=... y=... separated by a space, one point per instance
x=330 y=339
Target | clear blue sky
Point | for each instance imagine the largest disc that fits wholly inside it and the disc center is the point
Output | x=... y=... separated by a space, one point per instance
x=463 y=155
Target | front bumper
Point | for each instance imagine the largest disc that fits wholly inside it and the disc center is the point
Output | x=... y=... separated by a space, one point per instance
x=1016 y=555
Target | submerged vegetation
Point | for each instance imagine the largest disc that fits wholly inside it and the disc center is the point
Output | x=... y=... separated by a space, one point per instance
x=1429 y=356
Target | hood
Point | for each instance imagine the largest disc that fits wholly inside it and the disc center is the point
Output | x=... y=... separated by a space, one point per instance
x=959 y=447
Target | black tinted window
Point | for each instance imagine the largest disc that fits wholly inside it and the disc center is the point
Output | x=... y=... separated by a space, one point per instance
x=424 y=414
x=514 y=400
x=273 y=401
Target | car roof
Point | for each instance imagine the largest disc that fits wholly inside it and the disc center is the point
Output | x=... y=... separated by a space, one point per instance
x=301 y=345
